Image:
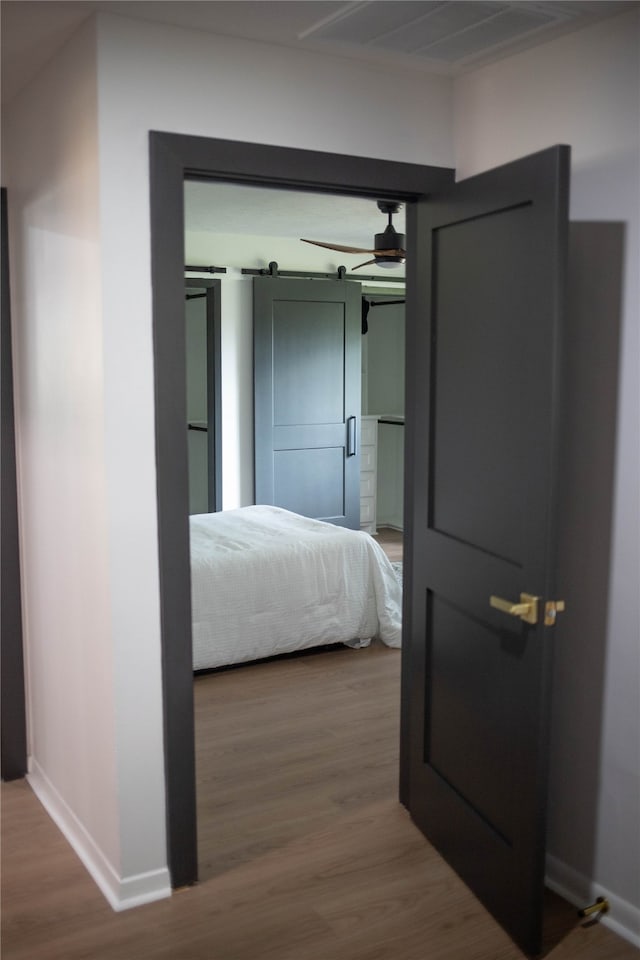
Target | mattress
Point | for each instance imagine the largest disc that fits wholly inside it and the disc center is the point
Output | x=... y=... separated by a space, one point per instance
x=266 y=581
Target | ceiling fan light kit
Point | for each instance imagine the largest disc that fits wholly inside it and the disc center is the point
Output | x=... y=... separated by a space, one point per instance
x=388 y=247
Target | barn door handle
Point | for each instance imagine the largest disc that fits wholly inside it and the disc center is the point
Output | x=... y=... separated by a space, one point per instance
x=352 y=438
x=527 y=609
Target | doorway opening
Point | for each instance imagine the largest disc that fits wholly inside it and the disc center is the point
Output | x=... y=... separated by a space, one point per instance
x=307 y=727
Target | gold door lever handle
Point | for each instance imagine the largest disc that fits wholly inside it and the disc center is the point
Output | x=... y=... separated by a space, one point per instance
x=527 y=609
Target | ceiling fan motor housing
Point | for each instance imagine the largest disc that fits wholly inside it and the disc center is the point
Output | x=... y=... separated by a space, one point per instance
x=389 y=239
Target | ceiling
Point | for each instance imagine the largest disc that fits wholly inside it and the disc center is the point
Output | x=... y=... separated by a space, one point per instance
x=229 y=208
x=442 y=36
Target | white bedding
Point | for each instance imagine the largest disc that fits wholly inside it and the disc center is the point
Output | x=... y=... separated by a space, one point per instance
x=267 y=581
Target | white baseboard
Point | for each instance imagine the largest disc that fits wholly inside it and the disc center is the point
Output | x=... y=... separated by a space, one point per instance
x=622 y=917
x=120 y=893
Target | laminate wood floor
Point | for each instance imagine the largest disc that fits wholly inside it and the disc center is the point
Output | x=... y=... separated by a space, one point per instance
x=391 y=542
x=305 y=852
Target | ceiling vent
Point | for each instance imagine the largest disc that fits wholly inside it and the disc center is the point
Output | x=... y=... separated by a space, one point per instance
x=452 y=32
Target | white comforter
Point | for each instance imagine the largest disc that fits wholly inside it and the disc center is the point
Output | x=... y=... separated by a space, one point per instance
x=267 y=581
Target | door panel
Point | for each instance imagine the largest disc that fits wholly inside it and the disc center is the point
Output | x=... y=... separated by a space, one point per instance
x=307 y=370
x=482 y=440
x=473 y=385
x=467 y=739
x=308 y=363
x=309 y=482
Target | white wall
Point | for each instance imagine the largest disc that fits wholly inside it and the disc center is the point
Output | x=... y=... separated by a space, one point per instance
x=50 y=167
x=582 y=90
x=385 y=394
x=236 y=370
x=385 y=349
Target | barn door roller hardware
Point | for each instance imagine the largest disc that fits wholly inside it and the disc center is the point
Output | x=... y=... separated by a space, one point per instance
x=195 y=269
x=274 y=271
x=340 y=274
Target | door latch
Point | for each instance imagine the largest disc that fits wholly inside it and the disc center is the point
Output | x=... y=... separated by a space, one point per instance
x=551 y=609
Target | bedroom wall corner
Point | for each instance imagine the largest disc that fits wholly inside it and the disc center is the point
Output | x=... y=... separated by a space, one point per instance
x=51 y=170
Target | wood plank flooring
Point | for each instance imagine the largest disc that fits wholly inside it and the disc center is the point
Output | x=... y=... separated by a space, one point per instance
x=391 y=542
x=305 y=852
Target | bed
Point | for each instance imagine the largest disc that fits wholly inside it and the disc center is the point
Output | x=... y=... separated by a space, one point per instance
x=266 y=581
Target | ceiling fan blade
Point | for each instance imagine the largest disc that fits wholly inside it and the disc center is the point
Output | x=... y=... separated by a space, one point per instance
x=338 y=247
x=365 y=264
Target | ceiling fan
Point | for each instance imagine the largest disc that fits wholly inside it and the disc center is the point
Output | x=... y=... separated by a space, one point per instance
x=388 y=246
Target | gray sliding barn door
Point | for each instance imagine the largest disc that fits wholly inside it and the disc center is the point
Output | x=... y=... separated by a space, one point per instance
x=307 y=343
x=483 y=371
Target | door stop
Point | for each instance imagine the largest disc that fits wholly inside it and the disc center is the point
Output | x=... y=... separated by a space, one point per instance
x=595 y=909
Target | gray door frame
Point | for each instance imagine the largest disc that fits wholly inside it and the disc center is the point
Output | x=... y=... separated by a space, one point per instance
x=173 y=158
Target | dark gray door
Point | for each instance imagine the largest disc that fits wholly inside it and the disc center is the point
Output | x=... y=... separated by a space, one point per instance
x=307 y=343
x=13 y=752
x=482 y=422
x=203 y=394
